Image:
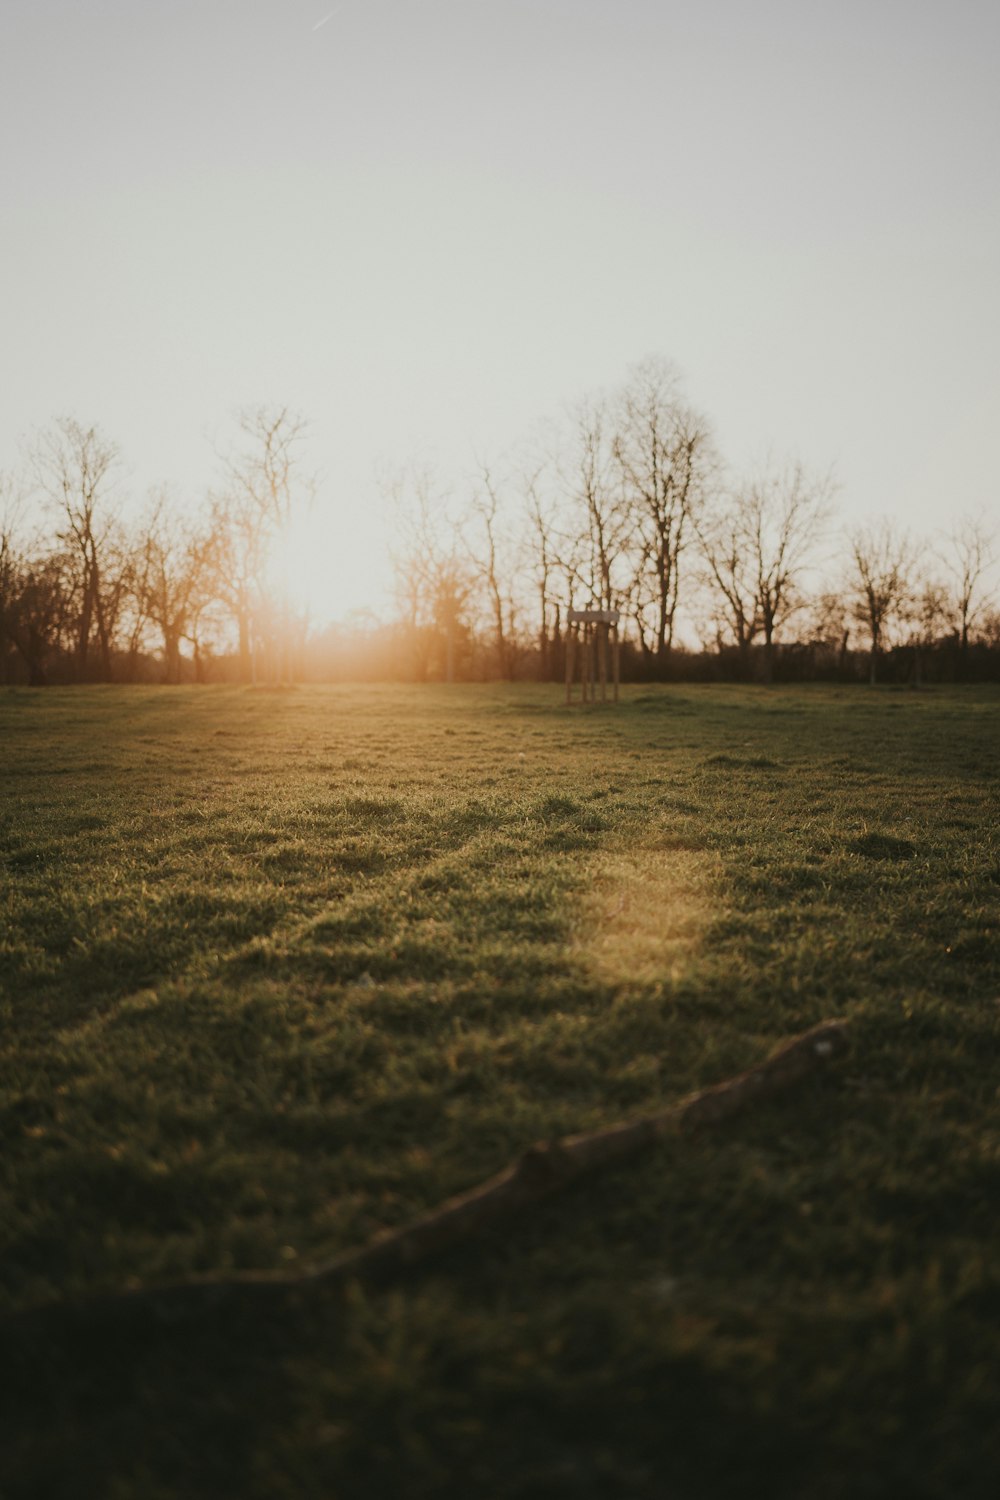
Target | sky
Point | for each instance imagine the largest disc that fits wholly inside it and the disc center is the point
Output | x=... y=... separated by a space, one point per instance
x=428 y=224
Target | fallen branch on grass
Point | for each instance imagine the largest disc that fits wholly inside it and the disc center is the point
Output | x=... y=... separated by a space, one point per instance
x=551 y=1165
x=542 y=1170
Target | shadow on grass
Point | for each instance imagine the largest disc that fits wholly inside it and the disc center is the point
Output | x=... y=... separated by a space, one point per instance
x=595 y=1348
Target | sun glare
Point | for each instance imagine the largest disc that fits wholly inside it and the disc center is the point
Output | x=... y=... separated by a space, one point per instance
x=327 y=570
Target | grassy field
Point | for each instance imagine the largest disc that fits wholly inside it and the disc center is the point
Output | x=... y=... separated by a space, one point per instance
x=280 y=969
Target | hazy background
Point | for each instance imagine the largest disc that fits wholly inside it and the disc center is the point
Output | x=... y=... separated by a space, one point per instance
x=427 y=223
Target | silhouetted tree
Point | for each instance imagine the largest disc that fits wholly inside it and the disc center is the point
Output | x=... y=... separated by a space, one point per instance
x=176 y=579
x=237 y=554
x=543 y=552
x=433 y=573
x=924 y=614
x=968 y=554
x=267 y=494
x=882 y=562
x=495 y=568
x=783 y=516
x=730 y=578
x=75 y=468
x=595 y=550
x=664 y=451
x=37 y=605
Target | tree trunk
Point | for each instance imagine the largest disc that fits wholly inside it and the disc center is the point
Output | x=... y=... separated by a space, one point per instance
x=768 y=653
x=661 y=622
x=83 y=629
x=172 y=658
x=743 y=643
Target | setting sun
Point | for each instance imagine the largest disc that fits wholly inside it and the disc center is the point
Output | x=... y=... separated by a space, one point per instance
x=328 y=567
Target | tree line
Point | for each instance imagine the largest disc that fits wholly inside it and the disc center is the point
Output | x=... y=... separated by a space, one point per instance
x=87 y=596
x=626 y=504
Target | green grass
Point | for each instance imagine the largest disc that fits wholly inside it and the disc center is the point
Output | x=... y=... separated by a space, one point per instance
x=280 y=969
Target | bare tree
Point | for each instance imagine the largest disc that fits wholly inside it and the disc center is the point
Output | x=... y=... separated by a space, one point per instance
x=237 y=562
x=495 y=571
x=136 y=622
x=664 y=451
x=176 y=579
x=595 y=551
x=42 y=610
x=267 y=494
x=829 y=625
x=784 y=515
x=968 y=555
x=730 y=578
x=76 y=468
x=35 y=592
x=203 y=618
x=543 y=552
x=756 y=546
x=882 y=564
x=267 y=466
x=120 y=606
x=434 y=577
x=924 y=614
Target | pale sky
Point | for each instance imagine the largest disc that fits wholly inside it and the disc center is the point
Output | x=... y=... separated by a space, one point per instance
x=427 y=224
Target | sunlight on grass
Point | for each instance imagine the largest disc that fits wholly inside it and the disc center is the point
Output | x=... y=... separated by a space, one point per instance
x=645 y=912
